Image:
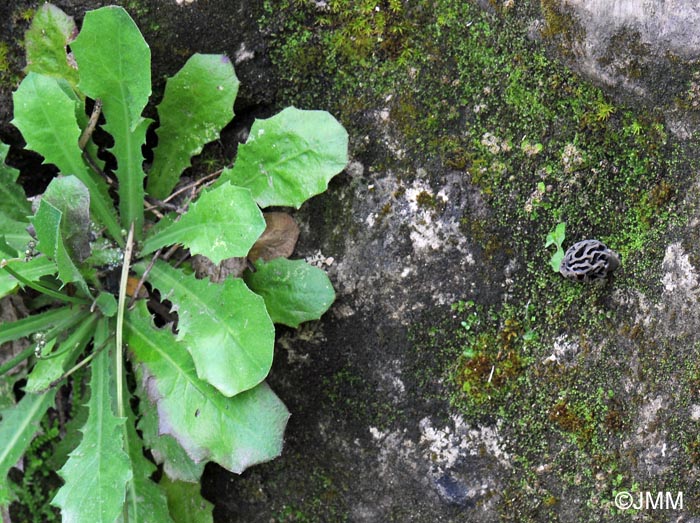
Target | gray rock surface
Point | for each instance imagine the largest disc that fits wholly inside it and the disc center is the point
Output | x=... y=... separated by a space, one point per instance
x=642 y=50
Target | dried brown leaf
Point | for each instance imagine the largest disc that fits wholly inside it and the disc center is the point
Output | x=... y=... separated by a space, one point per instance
x=278 y=240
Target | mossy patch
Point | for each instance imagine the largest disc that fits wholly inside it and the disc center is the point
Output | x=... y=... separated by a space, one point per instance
x=8 y=69
x=4 y=63
x=493 y=357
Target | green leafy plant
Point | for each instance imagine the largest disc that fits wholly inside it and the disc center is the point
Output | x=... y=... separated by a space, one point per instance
x=556 y=237
x=194 y=385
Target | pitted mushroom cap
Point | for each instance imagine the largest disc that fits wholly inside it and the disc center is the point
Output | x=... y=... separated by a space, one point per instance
x=588 y=260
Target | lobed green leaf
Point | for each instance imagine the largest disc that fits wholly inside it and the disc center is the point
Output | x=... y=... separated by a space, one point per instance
x=107 y=304
x=556 y=259
x=146 y=501
x=556 y=236
x=7 y=252
x=45 y=113
x=235 y=432
x=47 y=223
x=13 y=201
x=119 y=66
x=225 y=327
x=186 y=503
x=70 y=196
x=293 y=290
x=15 y=233
x=177 y=465
x=223 y=223
x=7 y=395
x=48 y=370
x=17 y=429
x=32 y=270
x=13 y=330
x=46 y=44
x=196 y=106
x=117 y=70
x=98 y=470
x=72 y=435
x=290 y=157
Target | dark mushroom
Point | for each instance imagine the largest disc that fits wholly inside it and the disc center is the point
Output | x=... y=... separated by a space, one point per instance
x=589 y=260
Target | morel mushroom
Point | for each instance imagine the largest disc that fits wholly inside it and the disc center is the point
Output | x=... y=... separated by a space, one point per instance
x=588 y=260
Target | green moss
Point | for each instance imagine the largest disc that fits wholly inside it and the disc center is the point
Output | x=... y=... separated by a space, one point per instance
x=25 y=15
x=585 y=418
x=351 y=397
x=426 y=200
x=318 y=508
x=491 y=365
x=4 y=60
x=561 y=26
x=306 y=494
x=633 y=45
x=12 y=49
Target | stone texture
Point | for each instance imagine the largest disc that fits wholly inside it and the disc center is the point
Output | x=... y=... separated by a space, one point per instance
x=644 y=51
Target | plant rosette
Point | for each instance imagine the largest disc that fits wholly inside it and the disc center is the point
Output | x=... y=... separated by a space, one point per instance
x=195 y=389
